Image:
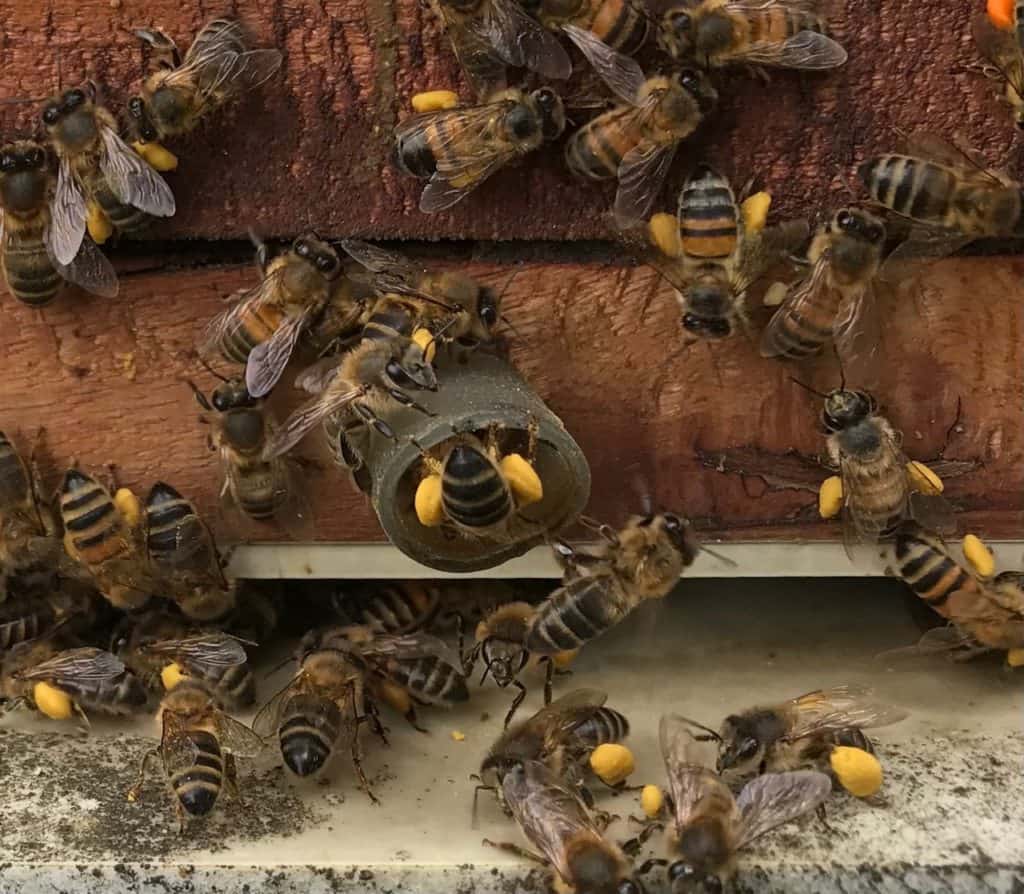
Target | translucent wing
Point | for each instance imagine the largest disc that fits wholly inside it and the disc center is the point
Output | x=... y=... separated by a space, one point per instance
x=548 y=810
x=409 y=646
x=1000 y=48
x=177 y=750
x=215 y=651
x=838 y=708
x=133 y=181
x=570 y=710
x=621 y=73
x=857 y=331
x=642 y=174
x=804 y=294
x=90 y=269
x=267 y=720
x=303 y=420
x=761 y=251
x=267 y=361
x=777 y=798
x=952 y=153
x=521 y=40
x=924 y=245
x=237 y=737
x=77 y=667
x=392 y=272
x=806 y=50
x=67 y=216
x=218 y=61
x=480 y=61
x=688 y=775
x=227 y=323
x=214 y=40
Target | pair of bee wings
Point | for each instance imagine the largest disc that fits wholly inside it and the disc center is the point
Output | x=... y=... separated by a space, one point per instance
x=331 y=400
x=130 y=178
x=319 y=704
x=76 y=668
x=179 y=752
x=838 y=708
x=195 y=551
x=203 y=652
x=764 y=803
x=390 y=272
x=1002 y=49
x=558 y=721
x=549 y=810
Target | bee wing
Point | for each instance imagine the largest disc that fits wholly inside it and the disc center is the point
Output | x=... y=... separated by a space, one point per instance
x=67 y=216
x=521 y=40
x=560 y=719
x=77 y=667
x=90 y=269
x=838 y=708
x=228 y=321
x=1001 y=49
x=216 y=651
x=481 y=63
x=177 y=750
x=267 y=361
x=953 y=153
x=410 y=645
x=776 y=798
x=237 y=737
x=548 y=810
x=688 y=776
x=299 y=424
x=642 y=173
x=132 y=179
x=759 y=252
x=857 y=331
x=928 y=507
x=621 y=73
x=267 y=719
x=924 y=245
x=804 y=293
x=807 y=50
x=391 y=272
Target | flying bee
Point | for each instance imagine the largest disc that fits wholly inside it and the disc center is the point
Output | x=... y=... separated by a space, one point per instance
x=369 y=379
x=717 y=257
x=708 y=825
x=322 y=707
x=106 y=535
x=182 y=549
x=241 y=425
x=836 y=301
x=876 y=489
x=198 y=745
x=262 y=329
x=774 y=33
x=100 y=179
x=33 y=275
x=985 y=613
x=555 y=819
x=458 y=149
x=487 y=35
x=642 y=561
x=61 y=683
x=1002 y=49
x=161 y=648
x=637 y=140
x=408 y=669
x=217 y=69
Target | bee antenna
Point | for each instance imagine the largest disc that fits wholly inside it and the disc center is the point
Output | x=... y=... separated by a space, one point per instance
x=724 y=559
x=212 y=371
x=807 y=387
x=712 y=734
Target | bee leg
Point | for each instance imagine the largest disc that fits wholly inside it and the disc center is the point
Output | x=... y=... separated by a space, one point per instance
x=532 y=434
x=515 y=849
x=648 y=865
x=231 y=777
x=548 y=674
x=406 y=401
x=182 y=817
x=373 y=718
x=410 y=716
x=136 y=790
x=516 y=702
x=607 y=532
x=85 y=728
x=634 y=845
x=357 y=763
x=374 y=421
x=603 y=819
x=820 y=812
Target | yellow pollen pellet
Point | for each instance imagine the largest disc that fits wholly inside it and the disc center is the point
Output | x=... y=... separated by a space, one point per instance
x=754 y=212
x=52 y=702
x=830 y=497
x=562 y=660
x=156 y=156
x=922 y=479
x=663 y=231
x=523 y=479
x=1015 y=658
x=429 y=508
x=129 y=506
x=858 y=771
x=172 y=675
x=99 y=225
x=612 y=763
x=434 y=101
x=458 y=736
x=775 y=294
x=979 y=556
x=425 y=339
x=651 y=800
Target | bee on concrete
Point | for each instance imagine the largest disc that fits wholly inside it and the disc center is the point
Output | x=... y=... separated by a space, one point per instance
x=32 y=274
x=102 y=183
x=198 y=746
x=637 y=140
x=772 y=33
x=458 y=149
x=1003 y=49
x=708 y=825
x=180 y=93
x=556 y=820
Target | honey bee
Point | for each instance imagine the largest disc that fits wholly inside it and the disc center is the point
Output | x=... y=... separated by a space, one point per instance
x=1002 y=49
x=836 y=301
x=637 y=140
x=162 y=644
x=458 y=149
x=708 y=825
x=60 y=683
x=775 y=33
x=394 y=607
x=217 y=69
x=408 y=669
x=622 y=25
x=719 y=258
x=642 y=561
x=865 y=448
x=800 y=732
x=946 y=189
x=106 y=535
x=262 y=329
x=560 y=735
x=100 y=178
x=66 y=606
x=322 y=707
x=487 y=35
x=555 y=819
x=198 y=746
x=181 y=547
x=32 y=274
x=261 y=489
x=985 y=613
x=368 y=380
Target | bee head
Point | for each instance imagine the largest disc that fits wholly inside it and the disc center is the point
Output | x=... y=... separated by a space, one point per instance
x=169 y=106
x=596 y=869
x=143 y=124
x=70 y=118
x=487 y=307
x=232 y=395
x=685 y=879
x=676 y=34
x=858 y=224
x=909 y=535
x=503 y=660
x=411 y=369
x=22 y=182
x=846 y=408
x=319 y=254
x=699 y=88
x=551 y=111
x=743 y=738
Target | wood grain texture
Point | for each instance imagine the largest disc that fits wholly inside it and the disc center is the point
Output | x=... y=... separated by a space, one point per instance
x=311 y=148
x=601 y=344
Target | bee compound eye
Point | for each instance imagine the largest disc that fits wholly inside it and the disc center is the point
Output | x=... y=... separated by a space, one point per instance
x=844 y=219
x=8 y=162
x=51 y=115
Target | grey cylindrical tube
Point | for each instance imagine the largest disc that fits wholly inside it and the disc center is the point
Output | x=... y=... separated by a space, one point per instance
x=474 y=394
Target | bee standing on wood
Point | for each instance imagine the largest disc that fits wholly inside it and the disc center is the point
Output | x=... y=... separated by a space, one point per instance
x=637 y=140
x=198 y=745
x=32 y=273
x=458 y=149
x=621 y=25
x=101 y=181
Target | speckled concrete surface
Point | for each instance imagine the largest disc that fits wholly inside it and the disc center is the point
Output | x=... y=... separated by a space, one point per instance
x=952 y=820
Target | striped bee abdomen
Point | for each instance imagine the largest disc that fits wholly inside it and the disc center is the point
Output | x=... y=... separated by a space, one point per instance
x=122 y=695
x=472 y=491
x=708 y=217
x=928 y=571
x=199 y=785
x=575 y=614
x=236 y=686
x=259 y=488
x=622 y=24
x=910 y=186
x=390 y=606
x=802 y=326
x=23 y=621
x=175 y=536
x=603 y=726
x=256 y=326
x=596 y=149
x=431 y=680
x=310 y=725
x=778 y=23
x=30 y=273
x=14 y=484
x=94 y=527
